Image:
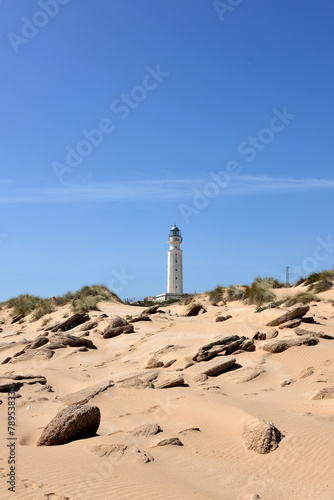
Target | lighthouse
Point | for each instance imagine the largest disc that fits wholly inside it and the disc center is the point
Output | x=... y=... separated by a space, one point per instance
x=174 y=268
x=174 y=262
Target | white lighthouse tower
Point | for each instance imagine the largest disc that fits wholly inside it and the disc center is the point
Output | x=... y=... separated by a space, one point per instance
x=174 y=268
x=174 y=262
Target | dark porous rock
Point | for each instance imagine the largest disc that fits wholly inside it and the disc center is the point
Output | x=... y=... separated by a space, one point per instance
x=320 y=335
x=140 y=318
x=171 y=441
x=65 y=339
x=39 y=341
x=194 y=310
x=325 y=393
x=89 y=326
x=292 y=323
x=280 y=345
x=150 y=310
x=261 y=436
x=71 y=322
x=296 y=312
x=171 y=382
x=17 y=318
x=146 y=430
x=74 y=422
x=223 y=318
x=84 y=395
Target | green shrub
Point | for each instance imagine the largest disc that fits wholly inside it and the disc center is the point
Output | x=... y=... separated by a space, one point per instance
x=216 y=295
x=258 y=293
x=300 y=280
x=235 y=293
x=303 y=298
x=24 y=304
x=45 y=307
x=270 y=281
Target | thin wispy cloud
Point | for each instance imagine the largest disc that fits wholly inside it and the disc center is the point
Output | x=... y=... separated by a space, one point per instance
x=155 y=190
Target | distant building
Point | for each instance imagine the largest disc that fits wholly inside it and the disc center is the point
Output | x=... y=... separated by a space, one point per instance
x=174 y=268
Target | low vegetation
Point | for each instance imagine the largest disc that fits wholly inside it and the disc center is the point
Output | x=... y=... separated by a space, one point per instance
x=217 y=295
x=259 y=292
x=235 y=292
x=301 y=298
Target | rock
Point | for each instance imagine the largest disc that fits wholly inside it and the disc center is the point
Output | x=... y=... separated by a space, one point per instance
x=296 y=312
x=117 y=327
x=171 y=382
x=261 y=436
x=171 y=441
x=154 y=363
x=191 y=429
x=65 y=339
x=247 y=374
x=140 y=318
x=271 y=334
x=194 y=310
x=137 y=383
x=260 y=336
x=308 y=319
x=215 y=367
x=320 y=335
x=89 y=326
x=84 y=395
x=103 y=316
x=223 y=318
x=74 y=422
x=325 y=393
x=17 y=318
x=307 y=372
x=200 y=378
x=292 y=323
x=143 y=457
x=169 y=363
x=51 y=327
x=146 y=430
x=280 y=345
x=71 y=322
x=150 y=310
x=6 y=360
x=105 y=450
x=167 y=349
x=34 y=354
x=211 y=350
x=38 y=342
x=10 y=386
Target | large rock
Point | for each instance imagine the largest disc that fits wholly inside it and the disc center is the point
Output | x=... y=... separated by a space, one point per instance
x=141 y=317
x=37 y=355
x=280 y=345
x=65 y=339
x=292 y=323
x=325 y=393
x=74 y=422
x=171 y=382
x=194 y=310
x=116 y=327
x=171 y=441
x=296 y=312
x=17 y=318
x=214 y=367
x=39 y=341
x=261 y=436
x=150 y=310
x=71 y=322
x=146 y=430
x=84 y=395
x=89 y=326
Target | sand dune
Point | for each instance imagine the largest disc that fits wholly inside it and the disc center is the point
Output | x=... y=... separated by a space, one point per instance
x=213 y=462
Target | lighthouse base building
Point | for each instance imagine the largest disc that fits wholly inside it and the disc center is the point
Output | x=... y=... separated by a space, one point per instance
x=174 y=268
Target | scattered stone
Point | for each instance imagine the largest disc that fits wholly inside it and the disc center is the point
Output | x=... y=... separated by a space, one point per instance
x=260 y=336
x=17 y=318
x=140 y=318
x=194 y=310
x=292 y=323
x=286 y=382
x=39 y=341
x=308 y=319
x=154 y=363
x=84 y=395
x=74 y=422
x=105 y=450
x=89 y=326
x=65 y=339
x=188 y=365
x=137 y=383
x=320 y=335
x=146 y=430
x=307 y=372
x=169 y=363
x=171 y=441
x=215 y=367
x=191 y=429
x=261 y=436
x=143 y=457
x=171 y=382
x=10 y=386
x=6 y=360
x=280 y=345
x=200 y=378
x=296 y=312
x=325 y=393
x=35 y=354
x=223 y=318
x=150 y=310
x=71 y=322
x=247 y=374
x=167 y=349
x=116 y=327
x=103 y=316
x=271 y=334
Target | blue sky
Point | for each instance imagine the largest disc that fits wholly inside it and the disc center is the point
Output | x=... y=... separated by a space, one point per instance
x=121 y=118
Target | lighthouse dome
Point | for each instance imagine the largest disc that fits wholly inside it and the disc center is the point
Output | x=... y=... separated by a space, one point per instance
x=175 y=234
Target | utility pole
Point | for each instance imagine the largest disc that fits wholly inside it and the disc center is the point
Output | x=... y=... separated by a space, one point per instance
x=287 y=276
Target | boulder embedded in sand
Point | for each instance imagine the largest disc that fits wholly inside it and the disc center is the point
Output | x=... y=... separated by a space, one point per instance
x=42 y=353
x=151 y=310
x=320 y=335
x=17 y=318
x=325 y=393
x=141 y=317
x=39 y=341
x=171 y=441
x=74 y=422
x=296 y=312
x=280 y=345
x=146 y=430
x=71 y=322
x=194 y=310
x=292 y=323
x=171 y=382
x=261 y=436
x=89 y=325
x=65 y=339
x=223 y=318
x=116 y=327
x=215 y=367
x=84 y=395
x=154 y=363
